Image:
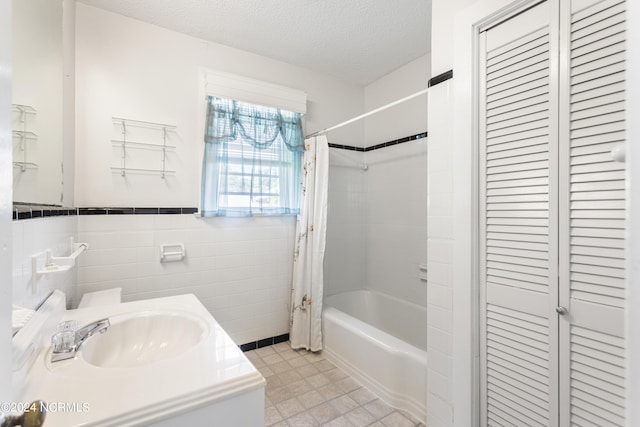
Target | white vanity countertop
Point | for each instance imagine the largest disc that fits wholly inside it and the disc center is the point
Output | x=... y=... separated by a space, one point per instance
x=87 y=395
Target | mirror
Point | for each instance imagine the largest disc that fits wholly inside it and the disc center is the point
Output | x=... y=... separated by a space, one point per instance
x=37 y=101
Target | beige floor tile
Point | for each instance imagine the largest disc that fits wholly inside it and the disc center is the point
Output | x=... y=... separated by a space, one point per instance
x=286 y=355
x=396 y=419
x=324 y=413
x=290 y=407
x=324 y=365
x=290 y=376
x=330 y=391
x=335 y=374
x=265 y=351
x=303 y=419
x=318 y=380
x=279 y=394
x=362 y=396
x=378 y=408
x=308 y=370
x=311 y=398
x=344 y=404
x=300 y=387
x=272 y=359
x=347 y=384
x=338 y=422
x=273 y=381
x=281 y=366
x=266 y=371
x=297 y=361
x=360 y=417
x=313 y=357
x=282 y=346
x=271 y=416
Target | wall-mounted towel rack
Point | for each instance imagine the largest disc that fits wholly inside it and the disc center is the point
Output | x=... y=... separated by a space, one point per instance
x=139 y=135
x=23 y=132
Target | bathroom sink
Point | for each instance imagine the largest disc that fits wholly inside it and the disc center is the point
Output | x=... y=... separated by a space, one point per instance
x=144 y=338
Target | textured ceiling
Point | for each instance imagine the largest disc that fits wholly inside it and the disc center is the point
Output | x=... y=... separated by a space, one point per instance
x=356 y=40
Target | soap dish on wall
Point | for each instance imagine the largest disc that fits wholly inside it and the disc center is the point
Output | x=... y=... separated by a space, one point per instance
x=44 y=263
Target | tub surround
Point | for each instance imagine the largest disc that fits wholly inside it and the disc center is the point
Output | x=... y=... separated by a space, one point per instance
x=211 y=379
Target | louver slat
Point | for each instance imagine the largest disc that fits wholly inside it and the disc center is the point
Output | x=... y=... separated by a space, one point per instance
x=597 y=213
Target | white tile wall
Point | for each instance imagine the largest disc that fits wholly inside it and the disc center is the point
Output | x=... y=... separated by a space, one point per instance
x=239 y=268
x=396 y=220
x=32 y=236
x=344 y=262
x=440 y=251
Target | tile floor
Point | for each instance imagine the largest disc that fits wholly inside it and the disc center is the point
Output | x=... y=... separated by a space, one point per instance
x=305 y=389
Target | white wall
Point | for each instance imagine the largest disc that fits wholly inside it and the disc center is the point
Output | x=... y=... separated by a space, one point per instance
x=408 y=118
x=126 y=68
x=33 y=236
x=443 y=34
x=239 y=268
x=6 y=194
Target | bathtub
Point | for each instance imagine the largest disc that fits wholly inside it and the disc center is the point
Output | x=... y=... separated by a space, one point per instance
x=380 y=341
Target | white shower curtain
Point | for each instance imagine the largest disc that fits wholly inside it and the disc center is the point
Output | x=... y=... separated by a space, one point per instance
x=307 y=282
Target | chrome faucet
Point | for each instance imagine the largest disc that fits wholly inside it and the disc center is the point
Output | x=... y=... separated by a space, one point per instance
x=67 y=343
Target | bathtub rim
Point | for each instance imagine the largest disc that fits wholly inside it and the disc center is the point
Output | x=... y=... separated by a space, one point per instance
x=392 y=344
x=327 y=298
x=413 y=305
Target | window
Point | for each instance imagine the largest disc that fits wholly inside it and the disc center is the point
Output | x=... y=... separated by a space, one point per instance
x=252 y=161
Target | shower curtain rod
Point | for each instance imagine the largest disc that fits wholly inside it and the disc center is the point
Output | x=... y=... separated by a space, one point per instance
x=367 y=114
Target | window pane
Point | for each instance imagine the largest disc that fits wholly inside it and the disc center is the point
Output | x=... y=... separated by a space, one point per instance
x=252 y=159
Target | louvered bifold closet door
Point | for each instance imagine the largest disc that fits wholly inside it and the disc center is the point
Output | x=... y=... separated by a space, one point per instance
x=518 y=336
x=593 y=368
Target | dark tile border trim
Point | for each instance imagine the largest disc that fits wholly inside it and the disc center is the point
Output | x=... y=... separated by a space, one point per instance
x=347 y=147
x=381 y=145
x=264 y=342
x=440 y=78
x=28 y=211
x=136 y=211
